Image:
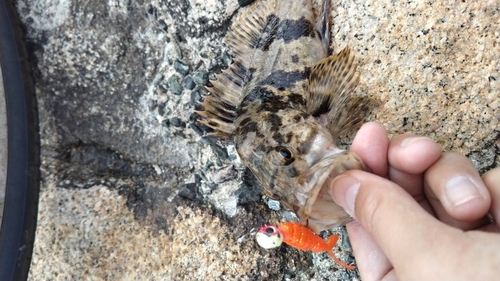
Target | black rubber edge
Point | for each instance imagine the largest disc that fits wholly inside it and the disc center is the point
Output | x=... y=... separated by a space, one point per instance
x=17 y=232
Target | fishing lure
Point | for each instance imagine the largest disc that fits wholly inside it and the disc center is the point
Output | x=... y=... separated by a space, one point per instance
x=299 y=237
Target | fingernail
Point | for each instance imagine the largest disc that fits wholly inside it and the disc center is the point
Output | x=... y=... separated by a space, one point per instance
x=408 y=141
x=461 y=190
x=347 y=188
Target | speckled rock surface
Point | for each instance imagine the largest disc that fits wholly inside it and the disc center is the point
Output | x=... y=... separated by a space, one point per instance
x=132 y=191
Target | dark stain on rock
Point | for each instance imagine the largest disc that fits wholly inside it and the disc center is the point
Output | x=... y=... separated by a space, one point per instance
x=188 y=191
x=250 y=191
x=103 y=161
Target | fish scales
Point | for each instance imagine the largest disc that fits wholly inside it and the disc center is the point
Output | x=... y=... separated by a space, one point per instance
x=283 y=102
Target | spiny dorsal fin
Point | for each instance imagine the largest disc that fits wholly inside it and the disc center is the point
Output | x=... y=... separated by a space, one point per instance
x=247 y=34
x=331 y=83
x=218 y=115
x=249 y=30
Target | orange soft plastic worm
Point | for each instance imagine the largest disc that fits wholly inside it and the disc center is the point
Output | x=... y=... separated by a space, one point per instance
x=299 y=237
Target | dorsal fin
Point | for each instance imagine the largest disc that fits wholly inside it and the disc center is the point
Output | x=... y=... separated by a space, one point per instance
x=247 y=33
x=331 y=83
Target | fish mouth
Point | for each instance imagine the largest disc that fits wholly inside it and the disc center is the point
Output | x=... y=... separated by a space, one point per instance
x=316 y=207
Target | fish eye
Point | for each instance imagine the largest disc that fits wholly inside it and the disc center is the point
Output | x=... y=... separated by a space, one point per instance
x=281 y=155
x=285 y=152
x=285 y=156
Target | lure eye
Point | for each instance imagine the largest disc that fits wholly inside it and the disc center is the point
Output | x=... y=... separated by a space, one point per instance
x=270 y=230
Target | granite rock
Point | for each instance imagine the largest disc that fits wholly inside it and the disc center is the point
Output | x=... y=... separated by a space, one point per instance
x=131 y=190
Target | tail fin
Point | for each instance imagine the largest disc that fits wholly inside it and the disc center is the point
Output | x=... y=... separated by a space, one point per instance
x=331 y=241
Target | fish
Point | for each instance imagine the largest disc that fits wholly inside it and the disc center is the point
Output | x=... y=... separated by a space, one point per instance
x=284 y=101
x=298 y=237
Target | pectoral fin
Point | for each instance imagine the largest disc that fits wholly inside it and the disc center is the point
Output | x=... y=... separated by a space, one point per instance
x=331 y=83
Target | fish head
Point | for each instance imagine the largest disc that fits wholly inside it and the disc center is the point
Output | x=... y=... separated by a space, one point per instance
x=296 y=164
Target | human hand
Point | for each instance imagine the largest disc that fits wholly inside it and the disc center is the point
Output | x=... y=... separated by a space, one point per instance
x=421 y=215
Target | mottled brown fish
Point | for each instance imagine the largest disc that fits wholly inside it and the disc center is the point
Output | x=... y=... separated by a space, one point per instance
x=283 y=102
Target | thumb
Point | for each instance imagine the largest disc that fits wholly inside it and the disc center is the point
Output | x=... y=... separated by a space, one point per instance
x=405 y=232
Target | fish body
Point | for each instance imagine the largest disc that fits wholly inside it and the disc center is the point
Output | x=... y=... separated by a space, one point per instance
x=283 y=102
x=299 y=237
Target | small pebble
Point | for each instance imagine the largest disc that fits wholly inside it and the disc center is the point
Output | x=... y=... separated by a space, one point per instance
x=177 y=122
x=201 y=78
x=153 y=11
x=161 y=108
x=208 y=165
x=198 y=179
x=224 y=174
x=220 y=151
x=165 y=123
x=227 y=58
x=289 y=216
x=181 y=67
x=189 y=83
x=197 y=129
x=273 y=205
x=164 y=86
x=188 y=191
x=174 y=85
x=195 y=97
x=163 y=25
